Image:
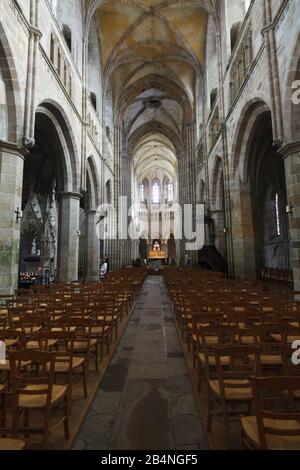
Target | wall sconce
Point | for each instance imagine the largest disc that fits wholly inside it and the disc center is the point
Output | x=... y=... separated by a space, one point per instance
x=225 y=230
x=289 y=209
x=19 y=215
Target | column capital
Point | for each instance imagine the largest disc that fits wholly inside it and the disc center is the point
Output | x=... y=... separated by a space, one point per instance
x=13 y=148
x=70 y=195
x=289 y=149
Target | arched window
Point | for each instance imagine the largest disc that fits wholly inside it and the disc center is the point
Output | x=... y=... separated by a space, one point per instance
x=155 y=193
x=142 y=193
x=170 y=192
x=277 y=214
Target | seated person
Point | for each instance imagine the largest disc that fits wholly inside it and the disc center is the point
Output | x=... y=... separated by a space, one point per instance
x=103 y=270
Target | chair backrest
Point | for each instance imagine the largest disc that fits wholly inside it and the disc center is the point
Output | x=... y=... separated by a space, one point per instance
x=213 y=337
x=243 y=362
x=37 y=384
x=271 y=336
x=65 y=351
x=29 y=323
x=274 y=402
x=65 y=341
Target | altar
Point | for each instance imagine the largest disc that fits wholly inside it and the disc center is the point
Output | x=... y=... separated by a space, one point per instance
x=157 y=253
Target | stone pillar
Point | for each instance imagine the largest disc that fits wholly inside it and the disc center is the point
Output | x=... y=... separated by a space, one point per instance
x=69 y=237
x=92 y=247
x=220 y=234
x=114 y=246
x=187 y=187
x=11 y=183
x=242 y=228
x=292 y=174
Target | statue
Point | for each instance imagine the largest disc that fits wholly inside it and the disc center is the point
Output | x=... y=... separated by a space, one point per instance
x=33 y=247
x=156 y=246
x=51 y=232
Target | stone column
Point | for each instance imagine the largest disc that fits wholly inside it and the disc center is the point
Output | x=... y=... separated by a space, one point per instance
x=292 y=175
x=220 y=227
x=114 y=246
x=92 y=247
x=11 y=183
x=69 y=237
x=187 y=185
x=242 y=228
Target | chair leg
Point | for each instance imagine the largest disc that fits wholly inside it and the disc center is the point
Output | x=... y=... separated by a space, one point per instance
x=66 y=420
x=96 y=357
x=15 y=421
x=70 y=393
x=194 y=355
x=200 y=378
x=3 y=412
x=26 y=422
x=101 y=349
x=46 y=429
x=210 y=409
x=85 y=380
x=226 y=426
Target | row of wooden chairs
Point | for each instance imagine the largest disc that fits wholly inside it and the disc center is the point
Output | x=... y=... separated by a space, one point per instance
x=50 y=334
x=242 y=345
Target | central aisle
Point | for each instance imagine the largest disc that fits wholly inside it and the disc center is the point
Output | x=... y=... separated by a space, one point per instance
x=145 y=401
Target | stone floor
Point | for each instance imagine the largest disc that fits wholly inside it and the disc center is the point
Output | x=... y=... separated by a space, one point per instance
x=145 y=401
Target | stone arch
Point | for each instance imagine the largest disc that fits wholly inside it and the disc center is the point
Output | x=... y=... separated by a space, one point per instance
x=291 y=111
x=218 y=206
x=217 y=183
x=108 y=192
x=12 y=100
x=68 y=153
x=94 y=67
x=254 y=109
x=201 y=191
x=93 y=184
x=256 y=165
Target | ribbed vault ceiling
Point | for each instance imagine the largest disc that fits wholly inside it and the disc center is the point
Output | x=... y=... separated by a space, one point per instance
x=152 y=54
x=154 y=155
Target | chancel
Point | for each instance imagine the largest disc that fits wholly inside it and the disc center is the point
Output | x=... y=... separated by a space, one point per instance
x=149 y=225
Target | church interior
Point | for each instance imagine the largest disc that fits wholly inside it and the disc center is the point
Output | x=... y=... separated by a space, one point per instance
x=125 y=127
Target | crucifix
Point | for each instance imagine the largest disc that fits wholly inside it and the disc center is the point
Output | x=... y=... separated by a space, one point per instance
x=18 y=215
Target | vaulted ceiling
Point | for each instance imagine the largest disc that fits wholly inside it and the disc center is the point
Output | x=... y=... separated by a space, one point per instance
x=152 y=54
x=154 y=155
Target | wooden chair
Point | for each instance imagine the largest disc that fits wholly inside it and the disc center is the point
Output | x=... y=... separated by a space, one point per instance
x=209 y=338
x=276 y=424
x=101 y=331
x=271 y=337
x=66 y=363
x=232 y=390
x=14 y=340
x=36 y=392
